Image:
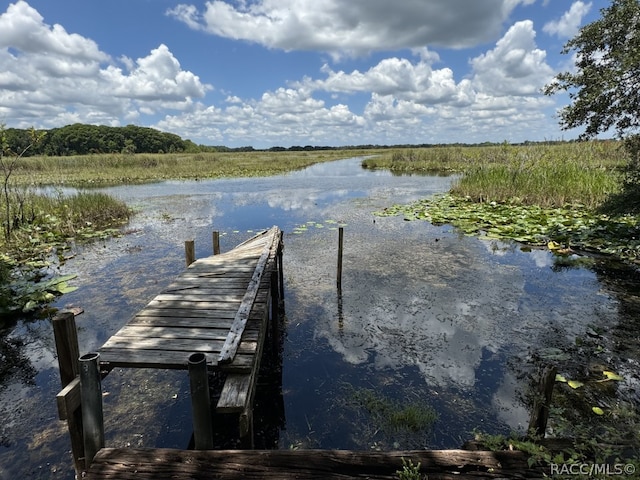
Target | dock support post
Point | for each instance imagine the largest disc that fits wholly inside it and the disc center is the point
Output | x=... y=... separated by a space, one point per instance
x=189 y=251
x=275 y=308
x=280 y=271
x=216 y=243
x=340 y=244
x=66 y=338
x=91 y=395
x=200 y=402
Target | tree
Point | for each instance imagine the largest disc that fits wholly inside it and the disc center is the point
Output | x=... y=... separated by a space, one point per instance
x=604 y=89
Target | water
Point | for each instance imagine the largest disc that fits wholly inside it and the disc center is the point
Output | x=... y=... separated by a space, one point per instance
x=426 y=317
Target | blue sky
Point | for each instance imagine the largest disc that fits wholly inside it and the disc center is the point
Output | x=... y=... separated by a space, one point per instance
x=291 y=72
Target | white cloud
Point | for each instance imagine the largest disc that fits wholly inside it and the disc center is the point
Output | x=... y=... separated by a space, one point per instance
x=515 y=67
x=51 y=77
x=22 y=27
x=354 y=27
x=569 y=25
x=410 y=101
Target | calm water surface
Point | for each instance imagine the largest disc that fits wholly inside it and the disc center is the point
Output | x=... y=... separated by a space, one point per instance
x=426 y=317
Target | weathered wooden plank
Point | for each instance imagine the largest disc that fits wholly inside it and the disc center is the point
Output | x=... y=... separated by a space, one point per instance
x=199 y=289
x=188 y=296
x=235 y=393
x=197 y=305
x=68 y=399
x=207 y=282
x=160 y=464
x=180 y=331
x=128 y=358
x=235 y=333
x=190 y=322
x=175 y=344
x=152 y=315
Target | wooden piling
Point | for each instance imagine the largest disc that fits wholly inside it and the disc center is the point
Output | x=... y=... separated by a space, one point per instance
x=216 y=243
x=340 y=245
x=66 y=338
x=280 y=271
x=189 y=251
x=200 y=402
x=91 y=395
x=275 y=307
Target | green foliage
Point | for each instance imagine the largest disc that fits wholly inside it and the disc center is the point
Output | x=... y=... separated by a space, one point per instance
x=605 y=87
x=410 y=471
x=80 y=139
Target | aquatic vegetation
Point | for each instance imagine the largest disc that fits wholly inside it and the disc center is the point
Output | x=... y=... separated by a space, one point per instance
x=564 y=230
x=393 y=415
x=42 y=239
x=329 y=224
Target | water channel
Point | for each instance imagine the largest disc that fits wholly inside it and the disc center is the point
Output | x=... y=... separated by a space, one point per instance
x=427 y=319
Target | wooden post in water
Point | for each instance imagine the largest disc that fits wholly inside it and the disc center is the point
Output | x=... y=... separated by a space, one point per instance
x=200 y=402
x=340 y=244
x=190 y=251
x=275 y=308
x=280 y=271
x=216 y=243
x=91 y=395
x=66 y=338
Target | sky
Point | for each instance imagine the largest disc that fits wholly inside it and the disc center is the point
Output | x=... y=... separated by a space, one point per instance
x=267 y=73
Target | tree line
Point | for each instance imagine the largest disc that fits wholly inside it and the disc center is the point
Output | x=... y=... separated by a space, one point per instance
x=81 y=139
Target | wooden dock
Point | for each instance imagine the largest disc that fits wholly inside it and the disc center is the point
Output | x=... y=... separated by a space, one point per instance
x=217 y=306
x=214 y=317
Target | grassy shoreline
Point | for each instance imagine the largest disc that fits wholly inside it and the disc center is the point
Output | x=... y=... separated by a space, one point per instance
x=112 y=169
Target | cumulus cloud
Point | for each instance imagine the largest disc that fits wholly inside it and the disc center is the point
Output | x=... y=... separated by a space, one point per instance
x=409 y=101
x=61 y=77
x=402 y=79
x=515 y=66
x=22 y=27
x=569 y=24
x=354 y=27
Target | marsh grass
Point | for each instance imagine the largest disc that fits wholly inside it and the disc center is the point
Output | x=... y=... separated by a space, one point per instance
x=551 y=175
x=111 y=169
x=45 y=222
x=43 y=228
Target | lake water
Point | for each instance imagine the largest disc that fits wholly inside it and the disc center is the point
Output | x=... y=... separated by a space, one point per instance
x=427 y=317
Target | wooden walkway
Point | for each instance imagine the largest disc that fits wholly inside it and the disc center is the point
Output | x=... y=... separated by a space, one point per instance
x=218 y=306
x=220 y=311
